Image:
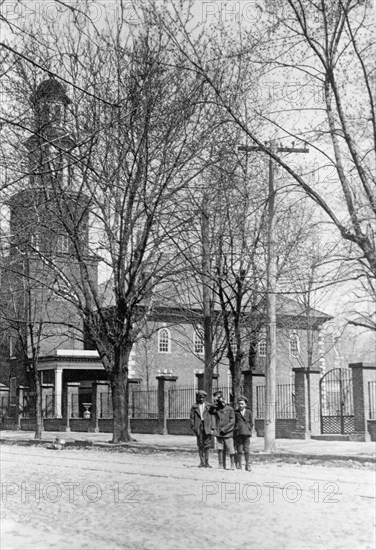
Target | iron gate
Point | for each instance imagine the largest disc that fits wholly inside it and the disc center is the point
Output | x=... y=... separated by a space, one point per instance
x=336 y=402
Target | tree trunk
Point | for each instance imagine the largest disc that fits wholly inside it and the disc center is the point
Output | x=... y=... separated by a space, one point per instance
x=236 y=381
x=38 y=403
x=120 y=396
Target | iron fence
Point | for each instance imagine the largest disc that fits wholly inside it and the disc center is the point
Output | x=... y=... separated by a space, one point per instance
x=180 y=400
x=27 y=410
x=285 y=401
x=144 y=404
x=48 y=406
x=372 y=399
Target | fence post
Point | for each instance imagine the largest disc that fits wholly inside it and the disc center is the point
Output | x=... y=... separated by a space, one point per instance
x=162 y=400
x=362 y=373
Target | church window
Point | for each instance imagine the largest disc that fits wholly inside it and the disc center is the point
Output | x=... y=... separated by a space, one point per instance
x=294 y=345
x=164 y=341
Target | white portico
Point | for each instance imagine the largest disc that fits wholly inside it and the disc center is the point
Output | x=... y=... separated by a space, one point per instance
x=82 y=367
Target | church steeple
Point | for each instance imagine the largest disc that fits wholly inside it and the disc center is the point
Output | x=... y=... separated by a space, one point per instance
x=51 y=138
x=50 y=102
x=48 y=215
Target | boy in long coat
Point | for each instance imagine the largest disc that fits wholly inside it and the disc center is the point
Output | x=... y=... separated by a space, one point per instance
x=243 y=432
x=224 y=428
x=202 y=426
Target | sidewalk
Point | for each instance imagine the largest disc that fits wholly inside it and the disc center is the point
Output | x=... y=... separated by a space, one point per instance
x=285 y=448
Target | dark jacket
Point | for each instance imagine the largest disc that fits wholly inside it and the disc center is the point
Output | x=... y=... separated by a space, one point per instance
x=225 y=421
x=196 y=419
x=243 y=424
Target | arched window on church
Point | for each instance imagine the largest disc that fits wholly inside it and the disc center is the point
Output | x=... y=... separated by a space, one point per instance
x=198 y=342
x=262 y=347
x=294 y=345
x=62 y=243
x=164 y=341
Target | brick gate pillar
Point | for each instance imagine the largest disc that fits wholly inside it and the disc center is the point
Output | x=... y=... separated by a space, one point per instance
x=248 y=392
x=199 y=374
x=21 y=393
x=98 y=387
x=306 y=407
x=362 y=373
x=162 y=400
x=70 y=403
x=47 y=400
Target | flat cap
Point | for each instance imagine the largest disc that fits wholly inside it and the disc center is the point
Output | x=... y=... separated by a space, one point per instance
x=242 y=398
x=202 y=392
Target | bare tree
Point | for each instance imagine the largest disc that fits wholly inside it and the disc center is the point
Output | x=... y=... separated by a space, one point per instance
x=310 y=46
x=127 y=167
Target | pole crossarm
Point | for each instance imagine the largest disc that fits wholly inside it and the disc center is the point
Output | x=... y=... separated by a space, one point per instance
x=251 y=148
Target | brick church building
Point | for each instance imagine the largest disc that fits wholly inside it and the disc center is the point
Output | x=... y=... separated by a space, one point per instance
x=173 y=344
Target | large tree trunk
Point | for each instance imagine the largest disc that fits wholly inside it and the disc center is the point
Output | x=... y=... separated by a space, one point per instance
x=120 y=397
x=236 y=381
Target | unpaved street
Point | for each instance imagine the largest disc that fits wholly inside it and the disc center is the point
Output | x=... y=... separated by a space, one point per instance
x=96 y=499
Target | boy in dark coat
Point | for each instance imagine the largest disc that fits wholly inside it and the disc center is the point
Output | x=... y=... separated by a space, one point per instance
x=243 y=432
x=224 y=427
x=201 y=424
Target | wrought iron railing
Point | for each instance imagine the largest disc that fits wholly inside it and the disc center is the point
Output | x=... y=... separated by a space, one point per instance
x=285 y=401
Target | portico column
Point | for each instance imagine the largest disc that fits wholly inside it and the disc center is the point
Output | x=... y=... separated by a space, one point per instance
x=58 y=392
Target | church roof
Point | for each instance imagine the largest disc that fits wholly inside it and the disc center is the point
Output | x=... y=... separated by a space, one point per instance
x=171 y=297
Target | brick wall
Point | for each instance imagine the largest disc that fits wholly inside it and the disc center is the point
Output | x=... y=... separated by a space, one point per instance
x=284 y=427
x=179 y=426
x=80 y=424
x=54 y=424
x=181 y=360
x=146 y=426
x=106 y=425
x=27 y=424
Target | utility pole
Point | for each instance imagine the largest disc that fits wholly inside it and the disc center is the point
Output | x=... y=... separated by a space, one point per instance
x=271 y=295
x=206 y=295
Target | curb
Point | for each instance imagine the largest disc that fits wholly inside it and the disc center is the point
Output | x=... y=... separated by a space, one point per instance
x=259 y=456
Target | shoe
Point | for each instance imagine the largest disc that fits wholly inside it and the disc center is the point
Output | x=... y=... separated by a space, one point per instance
x=207 y=465
x=248 y=468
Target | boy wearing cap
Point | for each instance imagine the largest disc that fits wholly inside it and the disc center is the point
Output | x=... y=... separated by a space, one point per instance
x=243 y=432
x=201 y=424
x=225 y=422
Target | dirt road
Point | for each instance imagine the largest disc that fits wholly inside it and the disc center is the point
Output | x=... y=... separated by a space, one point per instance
x=92 y=499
